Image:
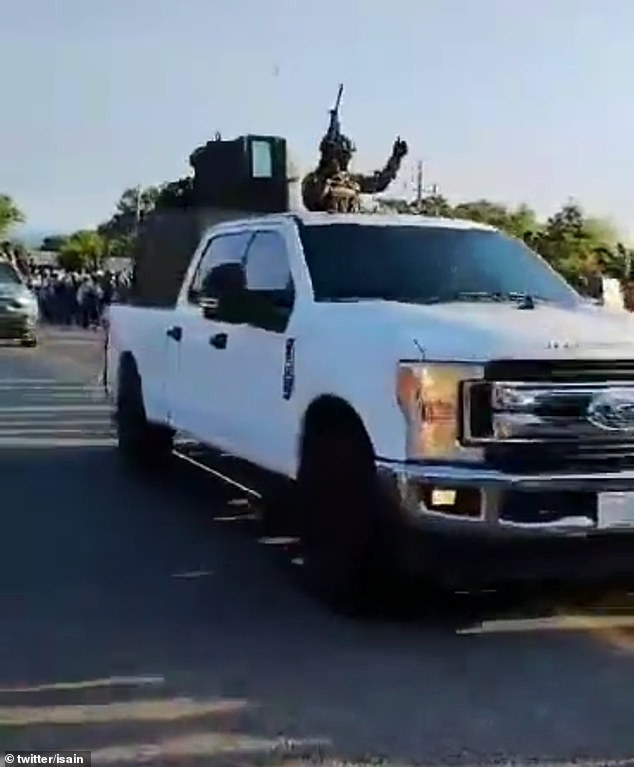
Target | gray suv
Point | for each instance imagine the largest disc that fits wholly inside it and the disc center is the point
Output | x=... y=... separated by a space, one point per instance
x=19 y=311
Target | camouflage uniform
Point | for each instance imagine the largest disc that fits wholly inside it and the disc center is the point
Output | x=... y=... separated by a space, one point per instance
x=332 y=187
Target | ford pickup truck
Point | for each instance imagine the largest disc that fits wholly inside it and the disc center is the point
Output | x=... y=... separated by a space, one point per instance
x=430 y=394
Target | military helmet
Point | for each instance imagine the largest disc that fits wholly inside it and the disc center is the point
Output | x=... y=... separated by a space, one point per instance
x=339 y=144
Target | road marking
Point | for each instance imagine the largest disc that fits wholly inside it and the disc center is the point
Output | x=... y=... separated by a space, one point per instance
x=217 y=474
x=32 y=443
x=190 y=574
x=48 y=413
x=552 y=623
x=12 y=382
x=615 y=630
x=112 y=681
x=234 y=747
x=53 y=409
x=160 y=710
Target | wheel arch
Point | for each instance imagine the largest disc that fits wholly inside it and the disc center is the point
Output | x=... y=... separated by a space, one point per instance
x=330 y=411
x=127 y=372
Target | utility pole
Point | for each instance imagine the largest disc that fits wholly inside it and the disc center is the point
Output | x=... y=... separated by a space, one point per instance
x=419 y=183
x=137 y=212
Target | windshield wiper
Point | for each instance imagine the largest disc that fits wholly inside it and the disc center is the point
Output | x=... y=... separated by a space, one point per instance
x=355 y=299
x=484 y=295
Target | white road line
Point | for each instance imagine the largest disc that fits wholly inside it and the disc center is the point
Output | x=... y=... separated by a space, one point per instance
x=217 y=474
x=112 y=681
x=552 y=623
x=32 y=443
x=27 y=381
x=86 y=407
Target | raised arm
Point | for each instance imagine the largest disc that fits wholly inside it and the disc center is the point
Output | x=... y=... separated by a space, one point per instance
x=381 y=179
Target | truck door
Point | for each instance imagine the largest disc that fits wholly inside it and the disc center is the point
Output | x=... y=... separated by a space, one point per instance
x=259 y=357
x=199 y=368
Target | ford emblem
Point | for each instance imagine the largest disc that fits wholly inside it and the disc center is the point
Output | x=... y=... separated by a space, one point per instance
x=612 y=410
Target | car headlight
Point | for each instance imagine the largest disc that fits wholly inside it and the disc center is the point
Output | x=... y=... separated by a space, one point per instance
x=430 y=397
x=24 y=302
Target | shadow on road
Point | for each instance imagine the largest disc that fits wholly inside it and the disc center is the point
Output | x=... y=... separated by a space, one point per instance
x=138 y=613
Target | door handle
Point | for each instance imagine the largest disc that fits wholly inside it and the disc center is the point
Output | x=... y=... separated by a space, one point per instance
x=219 y=341
x=175 y=333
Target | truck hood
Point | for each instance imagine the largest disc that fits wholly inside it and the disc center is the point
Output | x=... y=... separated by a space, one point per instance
x=481 y=331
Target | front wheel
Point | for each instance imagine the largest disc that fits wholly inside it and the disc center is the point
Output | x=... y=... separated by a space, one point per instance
x=343 y=531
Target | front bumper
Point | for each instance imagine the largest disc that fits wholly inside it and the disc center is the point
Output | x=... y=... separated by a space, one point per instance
x=491 y=546
x=407 y=478
x=17 y=325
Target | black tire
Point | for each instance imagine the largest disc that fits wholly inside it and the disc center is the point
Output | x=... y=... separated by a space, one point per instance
x=277 y=509
x=141 y=444
x=28 y=343
x=344 y=535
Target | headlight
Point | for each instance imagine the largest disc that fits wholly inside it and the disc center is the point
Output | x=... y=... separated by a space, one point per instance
x=430 y=397
x=24 y=303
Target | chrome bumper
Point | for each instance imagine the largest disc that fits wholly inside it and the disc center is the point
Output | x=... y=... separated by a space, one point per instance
x=407 y=478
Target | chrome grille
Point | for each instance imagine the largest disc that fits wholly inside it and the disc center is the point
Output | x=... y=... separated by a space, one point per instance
x=537 y=414
x=560 y=371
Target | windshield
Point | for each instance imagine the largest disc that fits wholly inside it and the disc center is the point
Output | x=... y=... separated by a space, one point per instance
x=8 y=274
x=425 y=264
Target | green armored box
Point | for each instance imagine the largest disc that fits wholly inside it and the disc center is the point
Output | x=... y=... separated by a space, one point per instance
x=232 y=179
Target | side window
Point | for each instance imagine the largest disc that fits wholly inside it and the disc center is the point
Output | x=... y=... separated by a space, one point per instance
x=221 y=249
x=267 y=266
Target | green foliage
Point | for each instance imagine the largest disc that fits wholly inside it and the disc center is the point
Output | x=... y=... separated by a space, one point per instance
x=575 y=244
x=119 y=231
x=10 y=214
x=54 y=242
x=82 y=250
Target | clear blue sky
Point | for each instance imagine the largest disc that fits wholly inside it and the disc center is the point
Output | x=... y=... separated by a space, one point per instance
x=503 y=99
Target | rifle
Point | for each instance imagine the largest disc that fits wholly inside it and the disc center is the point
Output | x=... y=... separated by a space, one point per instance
x=334 y=127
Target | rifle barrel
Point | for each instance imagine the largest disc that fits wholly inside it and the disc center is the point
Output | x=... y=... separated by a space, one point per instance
x=339 y=95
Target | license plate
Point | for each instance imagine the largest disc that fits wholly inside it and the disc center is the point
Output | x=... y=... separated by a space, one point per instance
x=616 y=510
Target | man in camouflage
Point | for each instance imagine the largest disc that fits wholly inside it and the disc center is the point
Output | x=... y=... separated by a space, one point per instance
x=332 y=187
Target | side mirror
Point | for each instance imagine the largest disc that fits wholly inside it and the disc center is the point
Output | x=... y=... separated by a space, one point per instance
x=225 y=279
x=223 y=283
x=209 y=307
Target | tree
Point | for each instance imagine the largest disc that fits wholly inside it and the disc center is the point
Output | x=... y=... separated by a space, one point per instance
x=10 y=214
x=82 y=250
x=119 y=231
x=54 y=242
x=514 y=221
x=434 y=205
x=572 y=245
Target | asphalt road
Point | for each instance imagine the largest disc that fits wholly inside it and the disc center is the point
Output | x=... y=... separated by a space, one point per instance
x=146 y=620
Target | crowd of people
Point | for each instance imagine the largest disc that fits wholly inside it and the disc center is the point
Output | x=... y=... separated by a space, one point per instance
x=74 y=298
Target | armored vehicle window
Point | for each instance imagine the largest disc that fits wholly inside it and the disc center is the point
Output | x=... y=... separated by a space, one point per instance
x=267 y=266
x=261 y=159
x=222 y=249
x=425 y=264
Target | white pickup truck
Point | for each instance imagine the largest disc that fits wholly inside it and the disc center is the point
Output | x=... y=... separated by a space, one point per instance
x=432 y=393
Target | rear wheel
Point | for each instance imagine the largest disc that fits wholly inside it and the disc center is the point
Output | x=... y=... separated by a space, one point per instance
x=142 y=444
x=343 y=531
x=30 y=342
